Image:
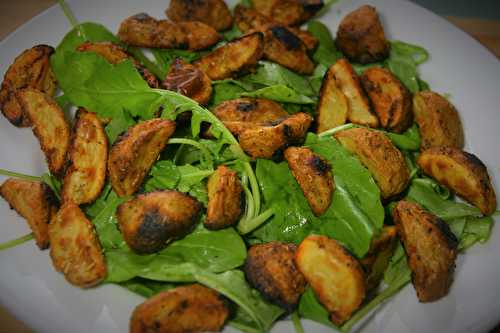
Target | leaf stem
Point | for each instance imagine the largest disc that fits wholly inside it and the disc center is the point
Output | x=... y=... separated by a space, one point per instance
x=254 y=187
x=336 y=129
x=151 y=66
x=16 y=242
x=201 y=147
x=69 y=14
x=246 y=226
x=296 y=322
x=8 y=173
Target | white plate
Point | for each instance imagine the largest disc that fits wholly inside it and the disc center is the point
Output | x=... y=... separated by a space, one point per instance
x=459 y=65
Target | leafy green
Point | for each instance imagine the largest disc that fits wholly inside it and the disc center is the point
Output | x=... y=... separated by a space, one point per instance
x=326 y=53
x=234 y=33
x=280 y=93
x=225 y=90
x=164 y=58
x=118 y=125
x=88 y=31
x=409 y=140
x=310 y=308
x=146 y=288
x=403 y=61
x=316 y=79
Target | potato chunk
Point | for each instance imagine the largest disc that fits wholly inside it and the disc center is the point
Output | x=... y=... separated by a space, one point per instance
x=190 y=308
x=34 y=201
x=88 y=156
x=313 y=175
x=233 y=58
x=31 y=69
x=271 y=269
x=288 y=12
x=215 y=13
x=431 y=248
x=335 y=276
x=74 y=247
x=438 y=121
x=390 y=99
x=377 y=153
x=133 y=154
x=150 y=221
x=49 y=125
x=361 y=36
x=461 y=172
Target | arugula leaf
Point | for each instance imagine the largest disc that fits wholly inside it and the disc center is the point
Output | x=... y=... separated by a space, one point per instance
x=310 y=308
x=280 y=93
x=225 y=90
x=403 y=61
x=146 y=288
x=118 y=125
x=409 y=140
x=164 y=58
x=88 y=31
x=316 y=79
x=326 y=53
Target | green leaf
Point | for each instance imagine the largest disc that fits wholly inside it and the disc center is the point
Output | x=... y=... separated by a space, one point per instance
x=310 y=308
x=118 y=125
x=326 y=53
x=88 y=31
x=409 y=140
x=146 y=288
x=280 y=93
x=164 y=58
x=225 y=90
x=106 y=224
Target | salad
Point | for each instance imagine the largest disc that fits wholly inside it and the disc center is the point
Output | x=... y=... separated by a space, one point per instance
x=308 y=165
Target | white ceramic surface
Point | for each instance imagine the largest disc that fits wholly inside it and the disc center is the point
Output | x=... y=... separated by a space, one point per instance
x=459 y=65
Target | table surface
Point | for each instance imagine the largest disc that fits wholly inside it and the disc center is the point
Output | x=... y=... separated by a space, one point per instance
x=14 y=13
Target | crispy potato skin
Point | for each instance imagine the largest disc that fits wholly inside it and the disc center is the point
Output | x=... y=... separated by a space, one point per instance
x=215 y=13
x=74 y=247
x=313 y=175
x=190 y=308
x=391 y=100
x=333 y=106
x=461 y=172
x=271 y=269
x=288 y=12
x=438 y=121
x=88 y=156
x=361 y=37
x=31 y=69
x=431 y=248
x=225 y=199
x=133 y=154
x=336 y=277
x=150 y=221
x=49 y=125
x=34 y=201
x=235 y=57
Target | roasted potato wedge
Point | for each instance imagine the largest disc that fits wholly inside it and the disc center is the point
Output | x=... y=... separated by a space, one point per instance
x=438 y=121
x=190 y=308
x=34 y=201
x=313 y=175
x=431 y=248
x=335 y=276
x=74 y=247
x=225 y=199
x=150 y=221
x=390 y=99
x=88 y=156
x=361 y=37
x=235 y=57
x=461 y=172
x=306 y=37
x=377 y=153
x=31 y=69
x=215 y=13
x=271 y=269
x=49 y=125
x=133 y=154
x=288 y=12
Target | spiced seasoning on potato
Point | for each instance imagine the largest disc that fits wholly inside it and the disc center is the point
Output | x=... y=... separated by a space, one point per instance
x=215 y=13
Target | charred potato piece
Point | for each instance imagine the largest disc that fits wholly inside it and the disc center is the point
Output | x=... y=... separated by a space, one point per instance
x=271 y=269
x=74 y=247
x=34 y=201
x=190 y=308
x=431 y=248
x=377 y=153
x=306 y=37
x=215 y=13
x=313 y=175
x=288 y=12
x=461 y=172
x=361 y=36
x=49 y=125
x=88 y=155
x=133 y=154
x=335 y=276
x=438 y=121
x=390 y=99
x=333 y=106
x=199 y=36
x=233 y=58
x=31 y=69
x=225 y=194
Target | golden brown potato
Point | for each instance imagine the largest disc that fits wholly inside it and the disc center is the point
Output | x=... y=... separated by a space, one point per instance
x=431 y=248
x=361 y=36
x=438 y=121
x=49 y=125
x=235 y=57
x=461 y=172
x=390 y=99
x=270 y=268
x=306 y=37
x=359 y=106
x=34 y=201
x=150 y=221
x=288 y=12
x=215 y=13
x=313 y=175
x=190 y=308
x=335 y=276
x=88 y=155
x=377 y=153
x=74 y=247
x=31 y=69
x=133 y=154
